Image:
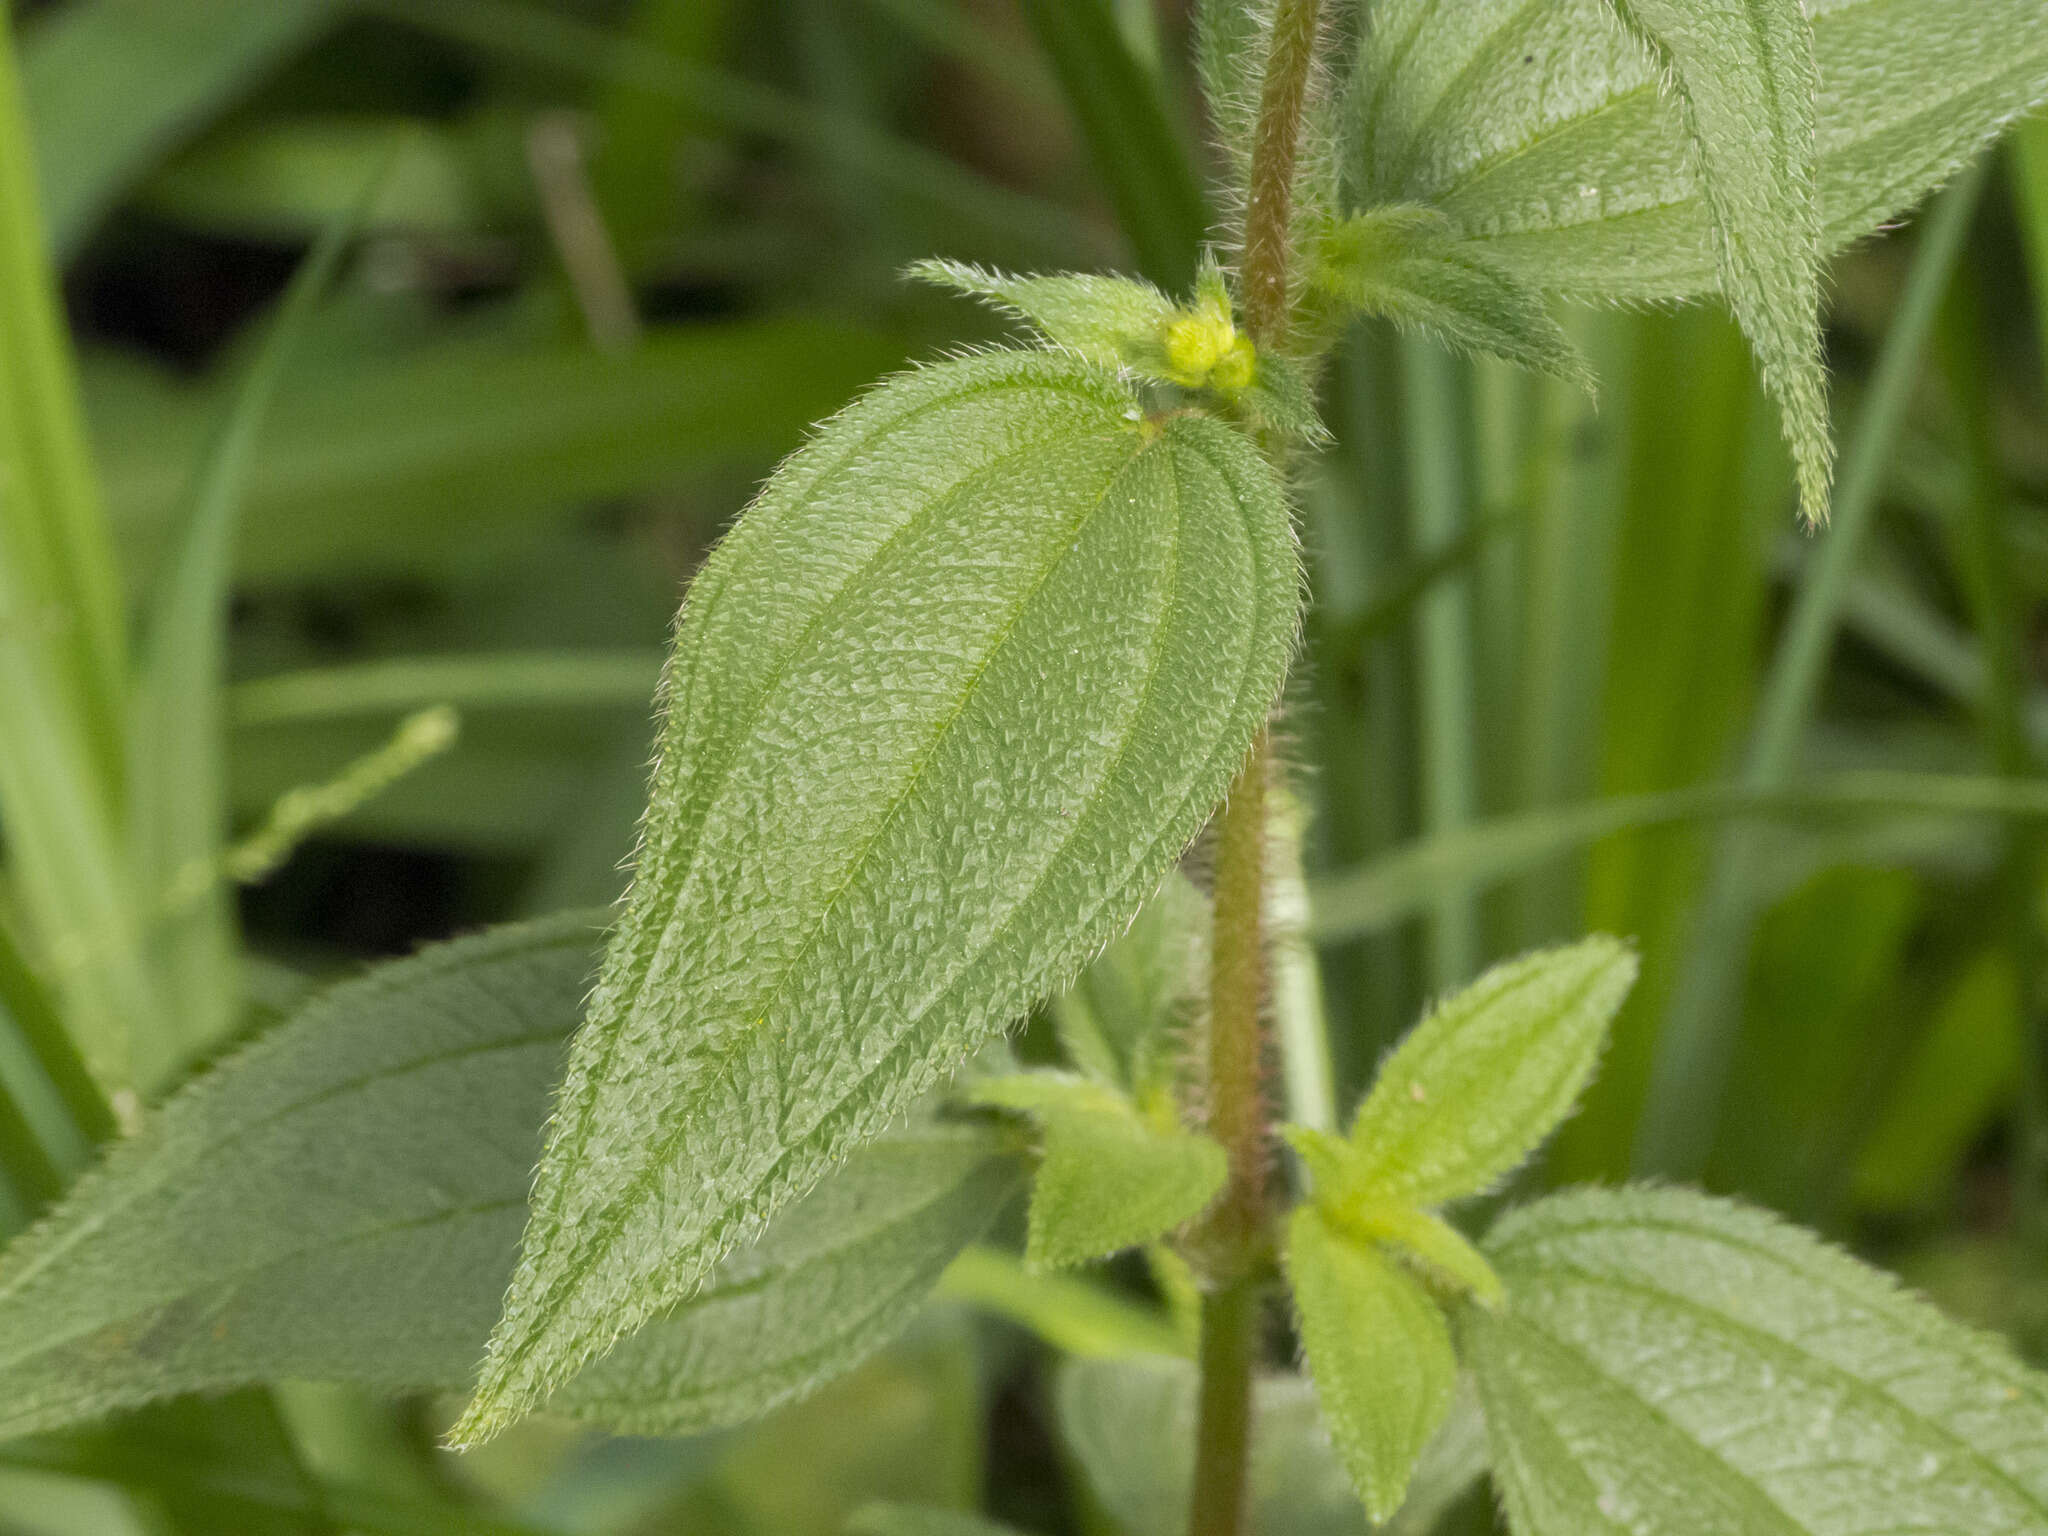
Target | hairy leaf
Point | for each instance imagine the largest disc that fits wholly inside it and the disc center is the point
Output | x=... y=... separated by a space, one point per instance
x=1479 y=1083
x=1379 y=1352
x=343 y=1200
x=1671 y=1363
x=1110 y=1179
x=1093 y=317
x=1408 y=264
x=945 y=707
x=1743 y=73
x=1539 y=128
x=1116 y=1022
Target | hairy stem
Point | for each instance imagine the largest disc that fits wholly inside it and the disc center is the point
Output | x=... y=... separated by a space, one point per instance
x=1276 y=148
x=1233 y=1239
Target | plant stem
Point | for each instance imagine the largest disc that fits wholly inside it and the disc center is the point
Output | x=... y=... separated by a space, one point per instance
x=1223 y=1436
x=1233 y=1237
x=1237 y=1045
x=1276 y=147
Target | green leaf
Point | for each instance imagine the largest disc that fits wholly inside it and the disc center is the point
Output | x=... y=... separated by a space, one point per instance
x=113 y=84
x=341 y=1201
x=1675 y=1364
x=1110 y=1180
x=1098 y=318
x=1131 y=1426
x=971 y=673
x=1379 y=1352
x=1430 y=1244
x=1488 y=1074
x=915 y=1520
x=1117 y=1022
x=1541 y=131
x=1408 y=264
x=1743 y=72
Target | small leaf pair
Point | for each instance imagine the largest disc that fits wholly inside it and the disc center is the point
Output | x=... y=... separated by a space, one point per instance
x=1407 y=263
x=1127 y=324
x=1471 y=1092
x=1119 y=1169
x=1111 y=1178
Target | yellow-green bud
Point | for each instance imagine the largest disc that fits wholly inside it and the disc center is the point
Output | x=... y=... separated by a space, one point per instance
x=1195 y=343
x=1235 y=370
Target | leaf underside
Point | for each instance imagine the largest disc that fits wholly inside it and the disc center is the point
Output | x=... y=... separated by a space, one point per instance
x=1743 y=72
x=969 y=675
x=342 y=1201
x=1671 y=1363
x=1409 y=265
x=1539 y=129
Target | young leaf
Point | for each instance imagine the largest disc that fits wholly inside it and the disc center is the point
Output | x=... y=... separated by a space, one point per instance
x=970 y=674
x=1541 y=131
x=1379 y=1353
x=341 y=1201
x=1109 y=1180
x=1488 y=1074
x=1408 y=264
x=1115 y=1023
x=1097 y=318
x=1745 y=79
x=1443 y=1254
x=1671 y=1364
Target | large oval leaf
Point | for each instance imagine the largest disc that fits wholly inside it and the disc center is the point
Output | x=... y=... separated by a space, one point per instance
x=343 y=1201
x=944 y=709
x=1539 y=128
x=1671 y=1364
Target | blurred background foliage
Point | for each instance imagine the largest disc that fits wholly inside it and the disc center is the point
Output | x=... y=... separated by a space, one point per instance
x=624 y=251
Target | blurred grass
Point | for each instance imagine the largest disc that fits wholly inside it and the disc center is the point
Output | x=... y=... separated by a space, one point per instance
x=1572 y=665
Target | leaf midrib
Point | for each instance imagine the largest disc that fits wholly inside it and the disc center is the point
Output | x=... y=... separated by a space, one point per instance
x=607 y=1230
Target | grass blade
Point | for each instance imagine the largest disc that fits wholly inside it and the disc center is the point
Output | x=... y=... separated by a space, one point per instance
x=1434 y=416
x=561 y=42
x=1141 y=156
x=113 y=85
x=61 y=662
x=1410 y=880
x=385 y=467
x=504 y=680
x=177 y=733
x=1693 y=1052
